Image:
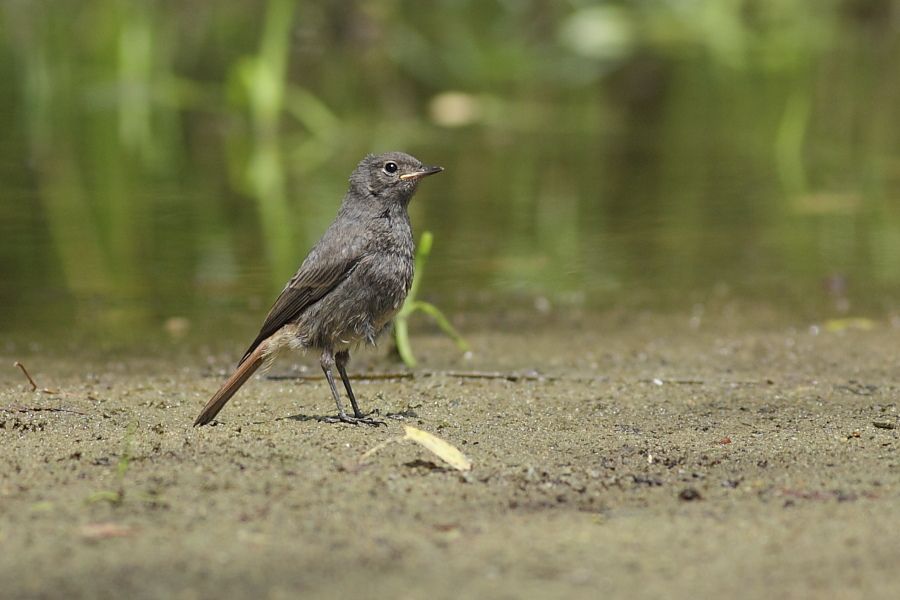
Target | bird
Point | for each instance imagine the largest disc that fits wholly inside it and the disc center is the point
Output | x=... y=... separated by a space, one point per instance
x=350 y=285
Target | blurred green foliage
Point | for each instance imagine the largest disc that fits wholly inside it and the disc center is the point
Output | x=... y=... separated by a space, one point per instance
x=165 y=159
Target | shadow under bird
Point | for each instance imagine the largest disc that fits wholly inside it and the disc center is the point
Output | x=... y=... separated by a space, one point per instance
x=350 y=285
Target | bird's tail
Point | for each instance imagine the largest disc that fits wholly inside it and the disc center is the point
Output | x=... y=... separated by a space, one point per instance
x=243 y=372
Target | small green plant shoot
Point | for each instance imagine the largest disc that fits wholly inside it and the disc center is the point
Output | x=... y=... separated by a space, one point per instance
x=412 y=304
x=116 y=497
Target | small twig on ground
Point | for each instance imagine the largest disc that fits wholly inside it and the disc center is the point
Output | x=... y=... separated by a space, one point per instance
x=497 y=375
x=513 y=376
x=25 y=371
x=34 y=386
x=27 y=409
x=363 y=376
x=408 y=375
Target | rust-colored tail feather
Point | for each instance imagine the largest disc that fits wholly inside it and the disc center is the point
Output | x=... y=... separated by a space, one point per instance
x=243 y=372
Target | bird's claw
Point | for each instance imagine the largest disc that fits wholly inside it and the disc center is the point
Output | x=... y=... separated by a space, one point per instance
x=362 y=420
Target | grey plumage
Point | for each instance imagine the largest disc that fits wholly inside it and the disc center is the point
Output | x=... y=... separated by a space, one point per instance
x=350 y=285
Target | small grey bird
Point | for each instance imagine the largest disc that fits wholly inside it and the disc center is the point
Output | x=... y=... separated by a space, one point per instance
x=350 y=285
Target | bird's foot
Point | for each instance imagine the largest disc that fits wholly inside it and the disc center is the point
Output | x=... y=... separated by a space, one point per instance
x=360 y=420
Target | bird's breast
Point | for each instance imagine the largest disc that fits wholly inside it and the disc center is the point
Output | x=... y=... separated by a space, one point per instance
x=389 y=277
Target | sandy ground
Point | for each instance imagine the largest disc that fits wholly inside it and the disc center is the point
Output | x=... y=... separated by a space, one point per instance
x=658 y=457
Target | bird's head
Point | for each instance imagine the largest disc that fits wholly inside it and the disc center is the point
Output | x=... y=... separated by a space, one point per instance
x=390 y=176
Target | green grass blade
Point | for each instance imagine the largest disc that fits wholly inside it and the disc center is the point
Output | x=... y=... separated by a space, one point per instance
x=401 y=338
x=434 y=312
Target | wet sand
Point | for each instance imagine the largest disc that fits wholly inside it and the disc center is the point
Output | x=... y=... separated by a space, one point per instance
x=642 y=456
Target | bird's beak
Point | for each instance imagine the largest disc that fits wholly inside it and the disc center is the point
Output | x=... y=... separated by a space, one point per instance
x=425 y=172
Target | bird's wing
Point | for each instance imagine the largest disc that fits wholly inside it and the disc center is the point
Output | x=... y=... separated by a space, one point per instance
x=308 y=286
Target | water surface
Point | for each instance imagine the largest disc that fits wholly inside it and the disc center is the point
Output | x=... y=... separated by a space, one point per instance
x=174 y=168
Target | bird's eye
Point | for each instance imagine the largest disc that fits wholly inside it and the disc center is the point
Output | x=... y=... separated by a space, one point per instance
x=390 y=167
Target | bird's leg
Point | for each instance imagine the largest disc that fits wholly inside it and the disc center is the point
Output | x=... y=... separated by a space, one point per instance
x=341 y=359
x=328 y=362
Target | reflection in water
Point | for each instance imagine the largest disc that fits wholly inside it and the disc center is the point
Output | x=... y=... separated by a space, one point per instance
x=180 y=161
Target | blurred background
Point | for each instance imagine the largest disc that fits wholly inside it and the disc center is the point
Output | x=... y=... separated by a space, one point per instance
x=165 y=166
